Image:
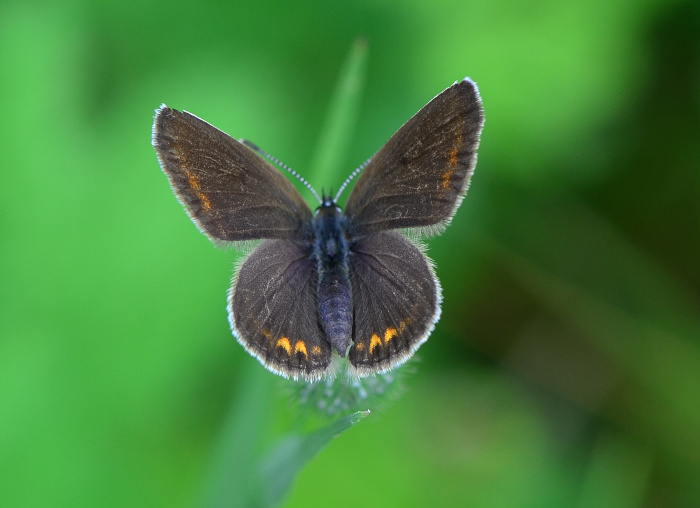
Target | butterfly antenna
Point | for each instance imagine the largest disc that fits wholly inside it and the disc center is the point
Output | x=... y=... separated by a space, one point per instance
x=282 y=165
x=350 y=178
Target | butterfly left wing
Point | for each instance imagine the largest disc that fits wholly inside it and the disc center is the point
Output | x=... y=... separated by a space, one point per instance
x=420 y=176
x=228 y=190
x=273 y=310
x=396 y=300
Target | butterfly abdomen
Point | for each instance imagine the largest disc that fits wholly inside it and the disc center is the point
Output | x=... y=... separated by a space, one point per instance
x=335 y=309
x=334 y=294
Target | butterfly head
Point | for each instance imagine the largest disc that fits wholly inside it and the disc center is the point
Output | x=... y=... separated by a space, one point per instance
x=328 y=206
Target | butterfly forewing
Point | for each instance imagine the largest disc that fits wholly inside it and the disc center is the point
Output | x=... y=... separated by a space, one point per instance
x=421 y=175
x=396 y=300
x=274 y=313
x=229 y=191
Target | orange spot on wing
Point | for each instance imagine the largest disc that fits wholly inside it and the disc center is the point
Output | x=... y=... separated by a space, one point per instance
x=360 y=346
x=316 y=350
x=194 y=183
x=284 y=343
x=452 y=160
x=374 y=342
x=446 y=176
x=300 y=346
x=404 y=324
x=206 y=204
x=389 y=334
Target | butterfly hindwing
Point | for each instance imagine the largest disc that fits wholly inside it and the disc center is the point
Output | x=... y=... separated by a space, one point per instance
x=396 y=300
x=419 y=177
x=229 y=191
x=274 y=313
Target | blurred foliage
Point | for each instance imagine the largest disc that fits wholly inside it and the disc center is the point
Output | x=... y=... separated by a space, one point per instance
x=566 y=366
x=243 y=475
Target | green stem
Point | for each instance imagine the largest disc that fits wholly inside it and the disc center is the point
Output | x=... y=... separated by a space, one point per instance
x=341 y=118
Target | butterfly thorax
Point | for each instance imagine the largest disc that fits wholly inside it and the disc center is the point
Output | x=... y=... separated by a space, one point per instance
x=330 y=250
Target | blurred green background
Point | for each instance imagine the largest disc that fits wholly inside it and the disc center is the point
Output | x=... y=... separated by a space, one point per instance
x=565 y=370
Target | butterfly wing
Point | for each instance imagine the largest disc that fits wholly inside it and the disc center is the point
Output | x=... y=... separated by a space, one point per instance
x=420 y=176
x=273 y=310
x=396 y=300
x=228 y=190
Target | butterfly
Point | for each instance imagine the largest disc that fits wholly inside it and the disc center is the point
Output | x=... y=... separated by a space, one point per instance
x=332 y=281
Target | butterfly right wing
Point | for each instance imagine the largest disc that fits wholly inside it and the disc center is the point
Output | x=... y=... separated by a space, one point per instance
x=229 y=191
x=419 y=177
x=274 y=313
